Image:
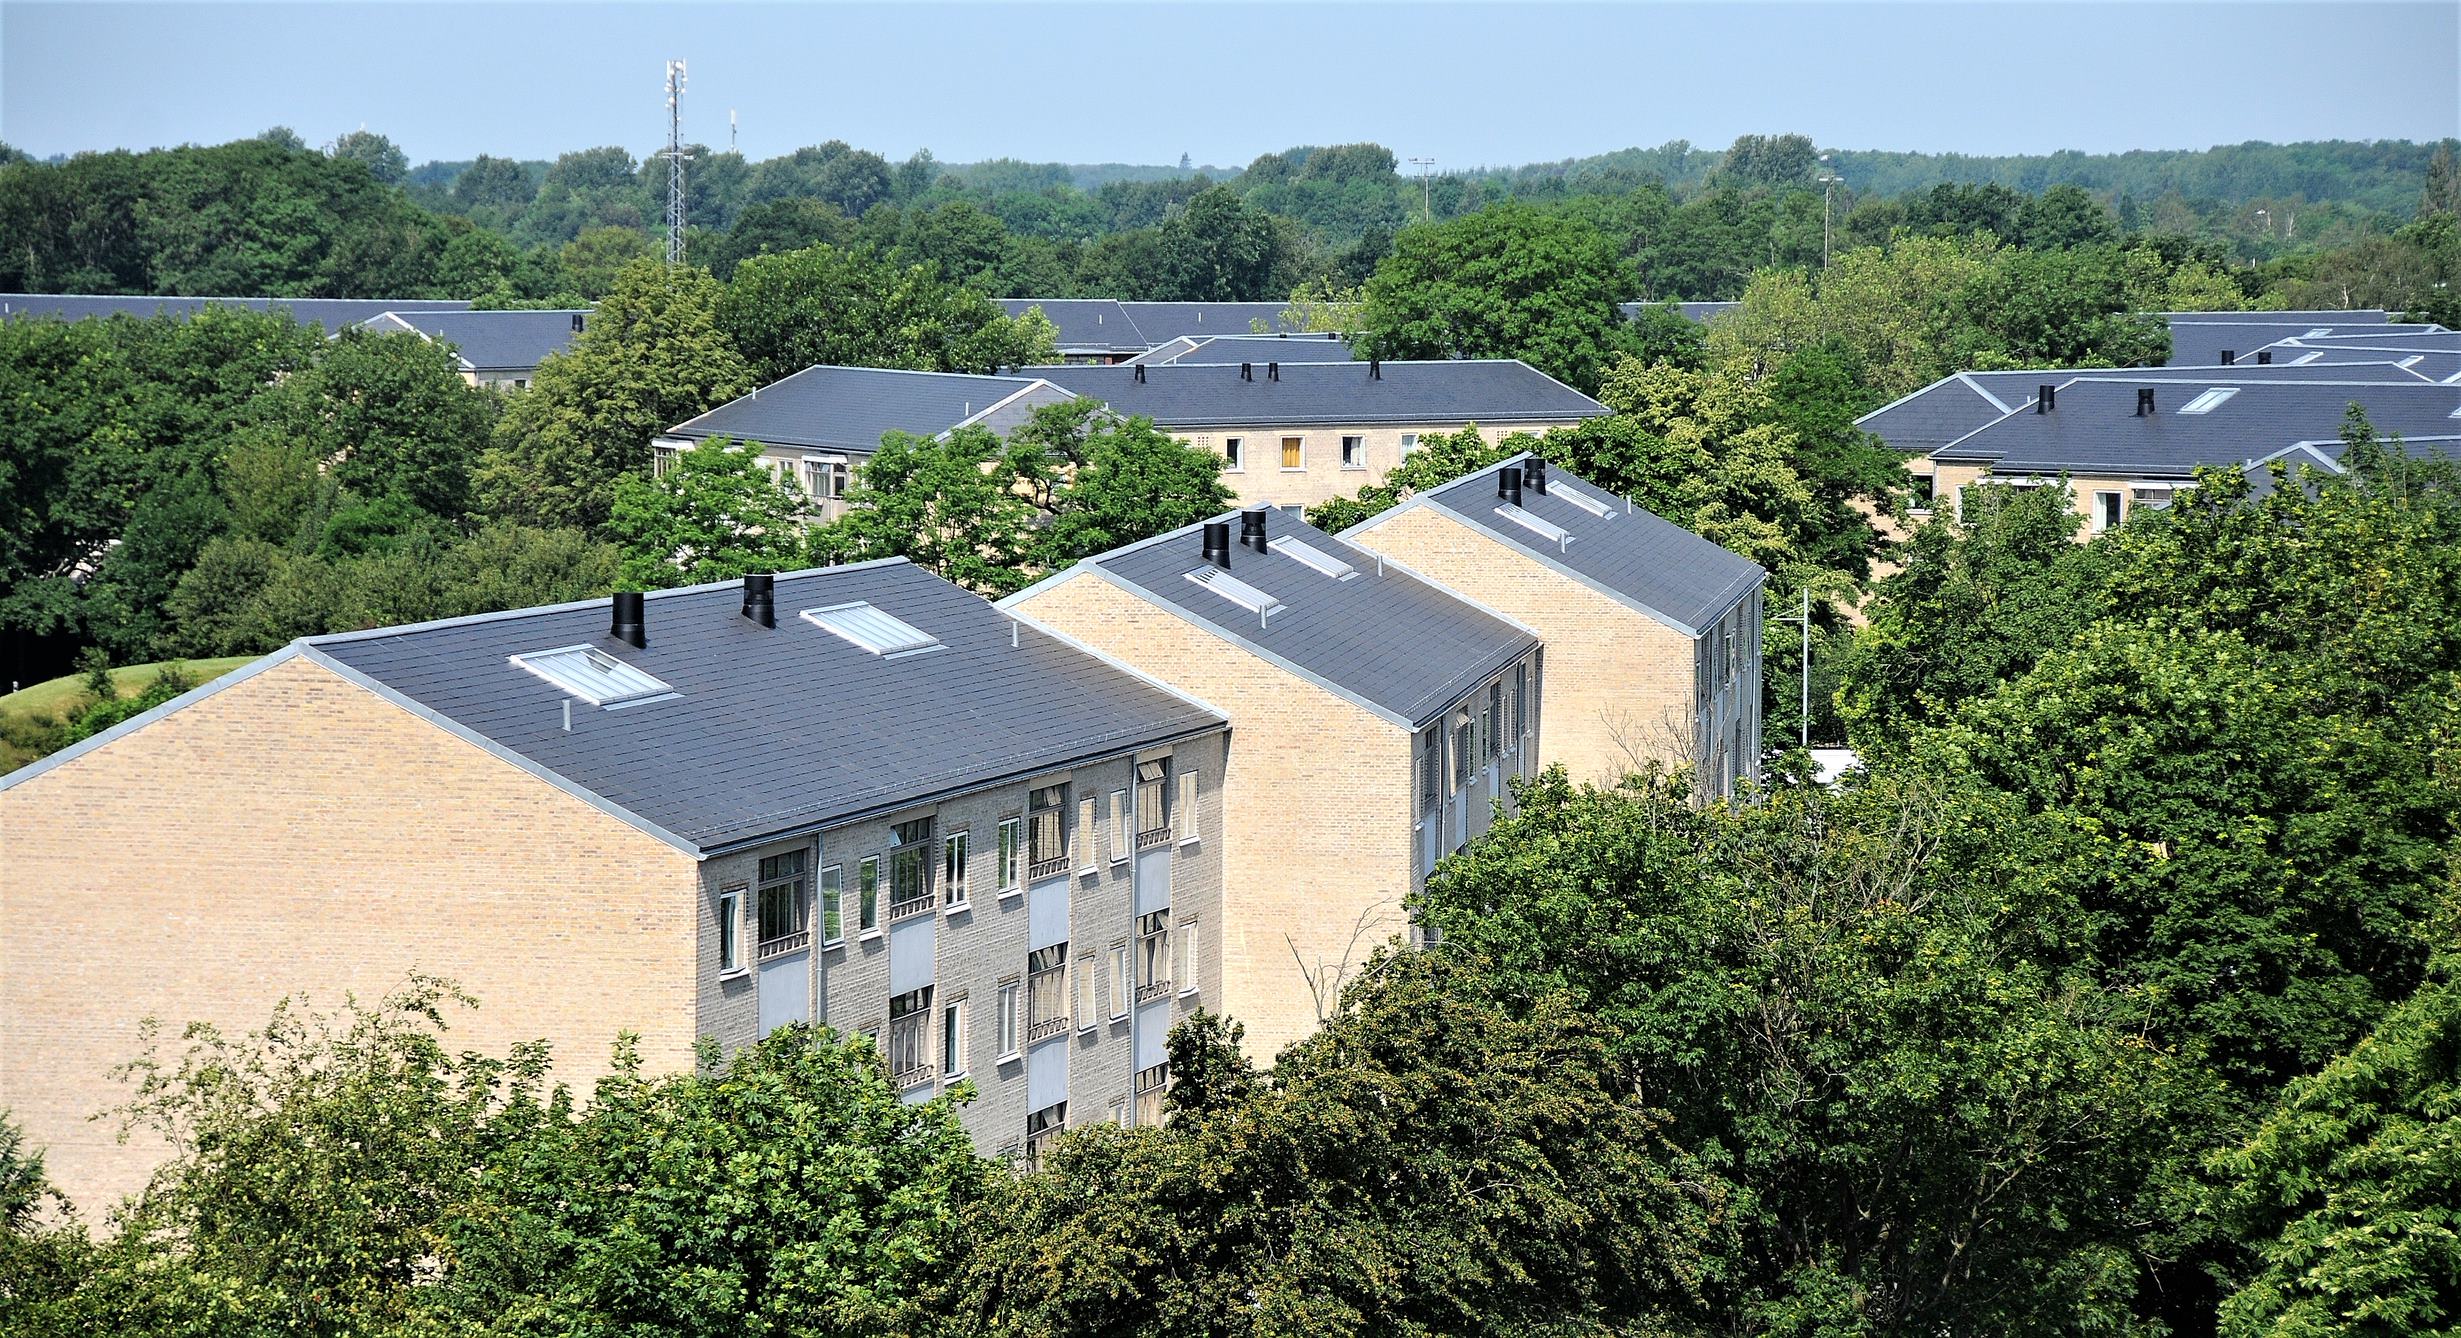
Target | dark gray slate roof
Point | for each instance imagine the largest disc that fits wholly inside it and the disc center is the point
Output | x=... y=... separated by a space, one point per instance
x=1248 y=348
x=331 y=312
x=779 y=729
x=851 y=408
x=2199 y=342
x=1086 y=324
x=2358 y=316
x=1162 y=322
x=2406 y=339
x=1953 y=406
x=2095 y=429
x=1935 y=415
x=1383 y=637
x=1184 y=395
x=1630 y=553
x=2325 y=456
x=489 y=341
x=1696 y=311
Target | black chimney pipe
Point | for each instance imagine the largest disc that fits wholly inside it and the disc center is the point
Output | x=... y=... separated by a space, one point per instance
x=1217 y=543
x=1375 y=369
x=2144 y=402
x=1273 y=371
x=1140 y=373
x=630 y=624
x=1252 y=527
x=1534 y=475
x=1247 y=371
x=2229 y=356
x=2046 y=398
x=760 y=603
x=2264 y=355
x=1508 y=485
x=579 y=319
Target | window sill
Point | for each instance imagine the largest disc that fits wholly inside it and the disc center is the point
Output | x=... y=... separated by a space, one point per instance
x=1012 y=1057
x=1188 y=840
x=735 y=973
x=1089 y=871
x=1011 y=895
x=1188 y=993
x=957 y=908
x=1289 y=469
x=867 y=936
x=1118 y=860
x=833 y=945
x=1119 y=1019
x=1355 y=469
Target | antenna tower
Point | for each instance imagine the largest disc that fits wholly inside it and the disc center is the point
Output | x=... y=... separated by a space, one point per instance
x=676 y=158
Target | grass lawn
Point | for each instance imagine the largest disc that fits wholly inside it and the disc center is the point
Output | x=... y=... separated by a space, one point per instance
x=57 y=695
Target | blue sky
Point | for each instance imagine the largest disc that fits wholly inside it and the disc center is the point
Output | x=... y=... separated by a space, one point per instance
x=1467 y=84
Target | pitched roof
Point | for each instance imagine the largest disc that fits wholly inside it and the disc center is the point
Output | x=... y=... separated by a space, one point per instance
x=1182 y=395
x=2326 y=456
x=2355 y=316
x=331 y=312
x=1382 y=638
x=1161 y=322
x=1248 y=348
x=1086 y=324
x=489 y=341
x=2198 y=338
x=2094 y=428
x=1627 y=554
x=775 y=730
x=851 y=408
x=1953 y=406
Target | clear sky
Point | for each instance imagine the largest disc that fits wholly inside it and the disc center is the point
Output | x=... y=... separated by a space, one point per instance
x=1147 y=80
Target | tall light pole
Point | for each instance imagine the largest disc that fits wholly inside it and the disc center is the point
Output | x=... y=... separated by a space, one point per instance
x=1828 y=185
x=676 y=158
x=1427 y=188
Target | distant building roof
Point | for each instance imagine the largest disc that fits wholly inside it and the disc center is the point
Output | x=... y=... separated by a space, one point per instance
x=2327 y=457
x=769 y=731
x=489 y=341
x=851 y=408
x=2354 y=316
x=1621 y=551
x=2094 y=428
x=1162 y=322
x=1953 y=406
x=1694 y=311
x=2198 y=338
x=1380 y=637
x=1087 y=325
x=1185 y=395
x=1287 y=348
x=331 y=312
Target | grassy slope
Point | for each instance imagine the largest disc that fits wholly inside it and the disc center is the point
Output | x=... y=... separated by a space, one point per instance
x=57 y=695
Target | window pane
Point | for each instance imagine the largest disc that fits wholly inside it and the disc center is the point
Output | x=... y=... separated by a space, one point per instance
x=1290 y=452
x=867 y=892
x=730 y=931
x=953 y=868
x=832 y=908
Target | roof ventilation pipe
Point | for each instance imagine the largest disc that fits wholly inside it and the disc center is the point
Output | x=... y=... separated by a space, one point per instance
x=580 y=320
x=1508 y=485
x=1534 y=475
x=1252 y=527
x=630 y=624
x=2046 y=398
x=2229 y=356
x=1140 y=373
x=1375 y=369
x=1247 y=371
x=2144 y=402
x=1273 y=371
x=760 y=602
x=1217 y=543
x=2264 y=356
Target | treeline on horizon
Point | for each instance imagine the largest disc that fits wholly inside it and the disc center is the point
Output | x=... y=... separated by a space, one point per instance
x=273 y=216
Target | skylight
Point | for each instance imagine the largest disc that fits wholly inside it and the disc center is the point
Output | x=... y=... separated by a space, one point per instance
x=873 y=630
x=1236 y=591
x=593 y=675
x=2210 y=400
x=1544 y=529
x=1312 y=557
x=1584 y=501
x=2305 y=359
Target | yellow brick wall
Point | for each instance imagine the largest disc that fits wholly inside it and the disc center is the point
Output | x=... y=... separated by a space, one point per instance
x=1321 y=477
x=1316 y=808
x=1948 y=479
x=296 y=833
x=1618 y=690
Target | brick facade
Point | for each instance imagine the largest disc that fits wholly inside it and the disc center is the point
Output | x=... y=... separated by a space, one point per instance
x=1322 y=476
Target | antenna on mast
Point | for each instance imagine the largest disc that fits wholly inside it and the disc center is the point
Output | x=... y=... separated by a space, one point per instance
x=730 y=130
x=676 y=158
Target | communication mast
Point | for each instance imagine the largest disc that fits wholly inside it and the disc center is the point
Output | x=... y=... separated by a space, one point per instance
x=676 y=158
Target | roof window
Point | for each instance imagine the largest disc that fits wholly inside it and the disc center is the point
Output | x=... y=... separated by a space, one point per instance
x=2210 y=400
x=873 y=630
x=1236 y=591
x=593 y=675
x=1312 y=557
x=1583 y=500
x=1544 y=529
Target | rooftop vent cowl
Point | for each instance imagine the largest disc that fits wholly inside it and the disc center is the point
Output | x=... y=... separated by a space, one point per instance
x=630 y=624
x=1534 y=475
x=2144 y=402
x=1252 y=528
x=1508 y=485
x=760 y=602
x=2046 y=398
x=580 y=321
x=1217 y=543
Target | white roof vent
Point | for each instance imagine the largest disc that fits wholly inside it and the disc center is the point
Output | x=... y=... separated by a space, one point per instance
x=2210 y=400
x=1543 y=528
x=875 y=631
x=594 y=676
x=1583 y=500
x=1236 y=591
x=1312 y=557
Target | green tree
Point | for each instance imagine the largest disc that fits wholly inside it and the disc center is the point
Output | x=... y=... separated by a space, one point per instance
x=652 y=357
x=1506 y=282
x=717 y=512
x=593 y=260
x=826 y=306
x=499 y=182
x=1115 y=480
x=384 y=416
x=1220 y=249
x=382 y=158
x=948 y=503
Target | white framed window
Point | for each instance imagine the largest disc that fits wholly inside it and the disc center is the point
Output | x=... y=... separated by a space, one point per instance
x=867 y=894
x=1234 y=455
x=1920 y=497
x=1085 y=824
x=1012 y=854
x=1183 y=818
x=1151 y=1085
x=1153 y=955
x=1046 y=992
x=1041 y=1128
x=910 y=861
x=593 y=675
x=953 y=1038
x=1354 y=452
x=1294 y=453
x=1118 y=1112
x=832 y=905
x=1119 y=826
x=881 y=633
x=1184 y=962
x=910 y=1037
x=784 y=909
x=661 y=458
x=730 y=930
x=1009 y=1036
x=953 y=869
x=1409 y=444
x=1047 y=832
x=1089 y=994
x=1123 y=965
x=2107 y=510
x=825 y=477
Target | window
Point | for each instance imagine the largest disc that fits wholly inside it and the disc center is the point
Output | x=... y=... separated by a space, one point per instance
x=1007 y=1019
x=953 y=1038
x=910 y=868
x=867 y=893
x=1183 y=956
x=1085 y=825
x=1123 y=967
x=1313 y=558
x=1046 y=992
x=1233 y=455
x=1465 y=747
x=910 y=1037
x=953 y=868
x=1409 y=444
x=1089 y=993
x=824 y=478
x=661 y=459
x=1922 y=495
x=1118 y=834
x=1293 y=456
x=1544 y=529
x=784 y=909
x=1354 y=452
x=730 y=930
x=2106 y=511
x=1236 y=591
x=1046 y=812
x=1012 y=853
x=1430 y=769
x=1151 y=1084
x=1183 y=817
x=872 y=629
x=1493 y=720
x=1118 y=1111
x=1592 y=505
x=2210 y=400
x=1153 y=806
x=1041 y=1127
x=593 y=675
x=1520 y=704
x=1153 y=955
x=832 y=905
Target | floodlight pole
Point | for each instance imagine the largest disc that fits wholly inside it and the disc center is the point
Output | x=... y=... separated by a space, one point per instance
x=1828 y=187
x=1427 y=188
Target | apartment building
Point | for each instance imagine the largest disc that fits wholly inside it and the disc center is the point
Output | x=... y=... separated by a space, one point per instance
x=2119 y=441
x=859 y=796
x=333 y=313
x=1376 y=716
x=1299 y=433
x=1250 y=348
x=501 y=349
x=2304 y=463
x=1652 y=632
x=818 y=426
x=1099 y=330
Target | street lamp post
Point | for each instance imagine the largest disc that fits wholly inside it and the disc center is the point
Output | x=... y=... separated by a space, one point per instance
x=1828 y=185
x=1427 y=188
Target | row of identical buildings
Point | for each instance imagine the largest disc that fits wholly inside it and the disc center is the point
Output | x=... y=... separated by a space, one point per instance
x=1014 y=843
